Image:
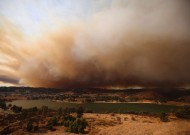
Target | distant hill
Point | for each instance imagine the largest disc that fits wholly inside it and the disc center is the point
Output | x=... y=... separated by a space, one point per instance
x=148 y=93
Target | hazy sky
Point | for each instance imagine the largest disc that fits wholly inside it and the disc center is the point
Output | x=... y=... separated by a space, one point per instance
x=95 y=43
x=31 y=15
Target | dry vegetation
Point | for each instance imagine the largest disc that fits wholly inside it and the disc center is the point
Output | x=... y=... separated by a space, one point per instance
x=127 y=124
x=142 y=125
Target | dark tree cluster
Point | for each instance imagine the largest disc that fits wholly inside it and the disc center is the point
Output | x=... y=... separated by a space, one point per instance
x=16 y=109
x=52 y=122
x=30 y=127
x=183 y=113
x=74 y=124
x=2 y=104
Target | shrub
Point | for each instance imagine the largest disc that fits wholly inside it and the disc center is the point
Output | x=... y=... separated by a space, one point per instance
x=2 y=105
x=183 y=113
x=77 y=126
x=53 y=121
x=50 y=127
x=29 y=126
x=16 y=109
x=163 y=117
x=112 y=114
x=65 y=123
x=133 y=118
x=67 y=120
x=69 y=117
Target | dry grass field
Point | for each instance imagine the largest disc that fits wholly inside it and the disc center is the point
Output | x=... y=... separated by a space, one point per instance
x=126 y=124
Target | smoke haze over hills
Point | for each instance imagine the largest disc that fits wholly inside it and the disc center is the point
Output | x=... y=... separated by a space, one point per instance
x=118 y=44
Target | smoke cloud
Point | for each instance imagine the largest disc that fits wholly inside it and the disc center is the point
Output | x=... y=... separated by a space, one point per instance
x=131 y=43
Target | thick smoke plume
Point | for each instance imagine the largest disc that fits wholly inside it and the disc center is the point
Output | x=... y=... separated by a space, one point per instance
x=135 y=43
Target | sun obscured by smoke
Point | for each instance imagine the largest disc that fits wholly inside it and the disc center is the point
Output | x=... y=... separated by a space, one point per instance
x=129 y=44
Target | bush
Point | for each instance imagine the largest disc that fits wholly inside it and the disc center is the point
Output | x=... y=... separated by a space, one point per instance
x=133 y=118
x=69 y=117
x=183 y=113
x=29 y=126
x=2 y=105
x=77 y=126
x=65 y=123
x=112 y=114
x=16 y=109
x=164 y=117
x=50 y=127
x=67 y=120
x=53 y=121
